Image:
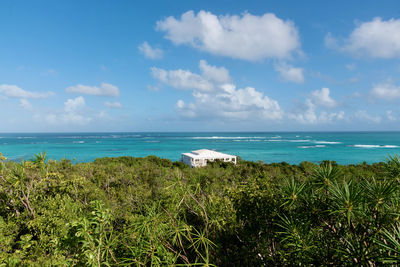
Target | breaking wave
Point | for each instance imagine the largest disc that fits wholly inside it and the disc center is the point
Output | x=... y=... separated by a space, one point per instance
x=316 y=146
x=374 y=146
x=228 y=137
x=327 y=142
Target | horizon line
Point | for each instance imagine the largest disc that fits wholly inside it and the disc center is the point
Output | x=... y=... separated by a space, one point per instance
x=301 y=131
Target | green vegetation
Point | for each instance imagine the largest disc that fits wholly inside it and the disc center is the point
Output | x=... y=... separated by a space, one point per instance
x=150 y=211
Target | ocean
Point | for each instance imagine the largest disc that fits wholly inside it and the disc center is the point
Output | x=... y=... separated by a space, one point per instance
x=292 y=147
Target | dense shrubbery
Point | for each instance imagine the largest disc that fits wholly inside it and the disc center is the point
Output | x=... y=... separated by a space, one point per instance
x=151 y=211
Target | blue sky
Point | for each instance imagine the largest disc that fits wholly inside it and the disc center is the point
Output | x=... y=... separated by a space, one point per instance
x=199 y=66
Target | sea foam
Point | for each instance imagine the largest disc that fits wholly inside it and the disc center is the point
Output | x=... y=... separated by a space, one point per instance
x=327 y=142
x=227 y=137
x=374 y=146
x=316 y=146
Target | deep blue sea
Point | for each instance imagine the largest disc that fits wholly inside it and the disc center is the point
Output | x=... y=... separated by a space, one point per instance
x=291 y=147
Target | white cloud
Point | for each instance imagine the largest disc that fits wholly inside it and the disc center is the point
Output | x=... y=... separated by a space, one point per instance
x=184 y=79
x=74 y=112
x=72 y=105
x=216 y=97
x=181 y=79
x=16 y=92
x=322 y=98
x=290 y=73
x=389 y=115
x=113 y=104
x=364 y=116
x=73 y=109
x=218 y=75
x=149 y=52
x=25 y=104
x=231 y=103
x=376 y=39
x=180 y=104
x=247 y=37
x=105 y=89
x=386 y=91
x=308 y=114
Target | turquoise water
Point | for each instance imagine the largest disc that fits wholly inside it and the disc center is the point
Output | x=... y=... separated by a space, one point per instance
x=291 y=147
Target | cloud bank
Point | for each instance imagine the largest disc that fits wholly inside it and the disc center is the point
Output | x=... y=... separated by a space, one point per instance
x=215 y=96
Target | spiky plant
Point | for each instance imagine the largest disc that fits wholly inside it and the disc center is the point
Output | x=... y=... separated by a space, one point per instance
x=393 y=166
x=325 y=175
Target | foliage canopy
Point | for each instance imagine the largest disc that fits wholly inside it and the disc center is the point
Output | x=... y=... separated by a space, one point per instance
x=150 y=211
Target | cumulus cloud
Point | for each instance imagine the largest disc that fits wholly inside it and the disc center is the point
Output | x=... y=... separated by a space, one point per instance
x=181 y=79
x=149 y=52
x=376 y=38
x=246 y=37
x=71 y=105
x=232 y=103
x=14 y=91
x=290 y=73
x=364 y=116
x=105 y=89
x=73 y=113
x=322 y=98
x=386 y=91
x=184 y=79
x=113 y=104
x=215 y=96
x=216 y=75
x=220 y=99
x=308 y=114
x=72 y=108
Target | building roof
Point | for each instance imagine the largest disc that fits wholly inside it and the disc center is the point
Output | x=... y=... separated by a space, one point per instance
x=206 y=154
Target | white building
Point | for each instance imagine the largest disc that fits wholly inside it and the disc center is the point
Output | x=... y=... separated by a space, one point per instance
x=199 y=158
